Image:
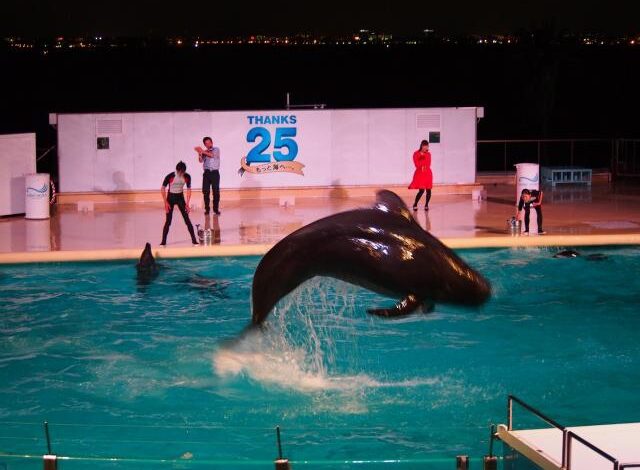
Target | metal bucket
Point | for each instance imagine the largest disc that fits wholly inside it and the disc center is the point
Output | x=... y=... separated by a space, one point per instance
x=514 y=226
x=204 y=235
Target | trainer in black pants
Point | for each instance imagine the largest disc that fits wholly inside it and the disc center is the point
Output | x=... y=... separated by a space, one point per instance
x=177 y=200
x=211 y=179
x=527 y=211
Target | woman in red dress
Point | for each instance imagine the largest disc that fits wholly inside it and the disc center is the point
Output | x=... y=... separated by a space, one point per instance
x=422 y=178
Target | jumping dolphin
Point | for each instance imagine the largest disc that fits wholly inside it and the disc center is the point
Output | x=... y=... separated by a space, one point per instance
x=146 y=267
x=381 y=248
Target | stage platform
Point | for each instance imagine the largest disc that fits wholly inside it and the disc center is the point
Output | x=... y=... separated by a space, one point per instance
x=602 y=214
x=556 y=447
x=544 y=446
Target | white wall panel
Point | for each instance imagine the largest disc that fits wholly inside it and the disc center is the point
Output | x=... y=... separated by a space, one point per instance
x=113 y=168
x=459 y=141
x=387 y=152
x=153 y=149
x=341 y=147
x=76 y=152
x=349 y=152
x=17 y=159
x=188 y=130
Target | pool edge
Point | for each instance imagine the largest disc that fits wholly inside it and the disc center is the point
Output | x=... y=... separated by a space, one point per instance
x=261 y=249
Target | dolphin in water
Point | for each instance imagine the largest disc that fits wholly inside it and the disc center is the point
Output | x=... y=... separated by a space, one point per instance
x=207 y=286
x=566 y=254
x=147 y=268
x=380 y=248
x=575 y=254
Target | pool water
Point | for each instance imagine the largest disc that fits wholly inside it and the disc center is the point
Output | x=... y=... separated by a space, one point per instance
x=162 y=375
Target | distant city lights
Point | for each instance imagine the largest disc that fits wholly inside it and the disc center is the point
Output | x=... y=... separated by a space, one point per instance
x=360 y=38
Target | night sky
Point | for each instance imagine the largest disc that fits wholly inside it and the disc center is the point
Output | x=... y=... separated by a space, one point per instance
x=215 y=18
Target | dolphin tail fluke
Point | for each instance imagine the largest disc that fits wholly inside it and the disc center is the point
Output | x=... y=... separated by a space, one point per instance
x=406 y=306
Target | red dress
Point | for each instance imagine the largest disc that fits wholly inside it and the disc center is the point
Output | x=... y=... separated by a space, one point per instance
x=422 y=178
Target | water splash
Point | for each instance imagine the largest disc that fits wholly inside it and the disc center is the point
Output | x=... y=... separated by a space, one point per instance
x=310 y=344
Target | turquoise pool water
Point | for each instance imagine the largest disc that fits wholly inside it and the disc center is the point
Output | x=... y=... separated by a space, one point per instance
x=152 y=373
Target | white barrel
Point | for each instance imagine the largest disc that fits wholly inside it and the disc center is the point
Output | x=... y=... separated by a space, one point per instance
x=37 y=196
x=38 y=235
x=527 y=177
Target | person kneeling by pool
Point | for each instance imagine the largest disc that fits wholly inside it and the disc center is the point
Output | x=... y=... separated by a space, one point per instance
x=176 y=181
x=528 y=199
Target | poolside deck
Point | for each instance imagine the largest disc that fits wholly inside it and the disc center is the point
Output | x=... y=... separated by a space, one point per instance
x=544 y=446
x=576 y=215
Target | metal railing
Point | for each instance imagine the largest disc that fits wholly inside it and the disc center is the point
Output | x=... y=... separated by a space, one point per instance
x=571 y=436
x=45 y=153
x=567 y=437
x=133 y=446
x=626 y=160
x=543 y=417
x=619 y=156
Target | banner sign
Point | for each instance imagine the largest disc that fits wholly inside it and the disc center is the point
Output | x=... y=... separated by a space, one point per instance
x=275 y=167
x=275 y=146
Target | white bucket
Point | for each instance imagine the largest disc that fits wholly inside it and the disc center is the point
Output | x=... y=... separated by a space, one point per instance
x=37 y=196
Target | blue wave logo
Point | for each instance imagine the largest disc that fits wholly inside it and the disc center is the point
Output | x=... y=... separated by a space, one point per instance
x=532 y=180
x=37 y=191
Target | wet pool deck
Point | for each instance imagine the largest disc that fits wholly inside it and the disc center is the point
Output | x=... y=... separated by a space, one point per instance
x=604 y=213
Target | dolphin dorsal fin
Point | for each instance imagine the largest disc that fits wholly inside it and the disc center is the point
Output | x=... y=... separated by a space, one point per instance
x=388 y=201
x=146 y=258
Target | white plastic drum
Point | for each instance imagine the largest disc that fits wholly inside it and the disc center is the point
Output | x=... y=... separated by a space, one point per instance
x=38 y=235
x=527 y=177
x=37 y=196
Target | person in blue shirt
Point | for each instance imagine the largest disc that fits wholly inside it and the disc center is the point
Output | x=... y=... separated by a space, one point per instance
x=210 y=159
x=176 y=181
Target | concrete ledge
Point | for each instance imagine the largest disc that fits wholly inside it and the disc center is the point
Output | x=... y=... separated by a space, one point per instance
x=132 y=253
x=332 y=192
x=259 y=250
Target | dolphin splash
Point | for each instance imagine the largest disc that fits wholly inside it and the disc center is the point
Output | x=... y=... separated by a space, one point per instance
x=380 y=248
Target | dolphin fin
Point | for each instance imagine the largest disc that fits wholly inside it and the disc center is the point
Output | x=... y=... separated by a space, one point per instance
x=403 y=307
x=388 y=201
x=146 y=258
